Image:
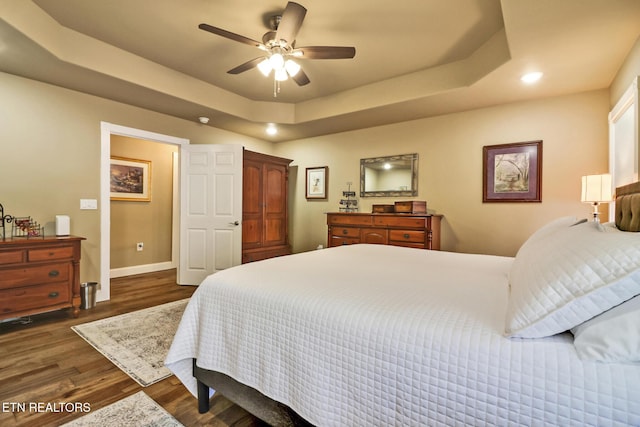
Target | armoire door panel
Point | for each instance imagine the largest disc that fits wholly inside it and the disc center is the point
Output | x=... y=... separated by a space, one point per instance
x=274 y=231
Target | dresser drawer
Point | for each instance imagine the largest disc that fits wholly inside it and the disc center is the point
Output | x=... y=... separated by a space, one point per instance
x=19 y=299
x=399 y=221
x=48 y=254
x=339 y=241
x=408 y=244
x=413 y=236
x=11 y=257
x=376 y=236
x=345 y=232
x=353 y=219
x=38 y=274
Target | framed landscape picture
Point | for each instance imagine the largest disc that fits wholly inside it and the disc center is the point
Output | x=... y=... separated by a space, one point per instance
x=130 y=179
x=512 y=172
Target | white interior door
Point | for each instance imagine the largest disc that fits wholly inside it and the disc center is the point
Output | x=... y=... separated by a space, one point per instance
x=210 y=210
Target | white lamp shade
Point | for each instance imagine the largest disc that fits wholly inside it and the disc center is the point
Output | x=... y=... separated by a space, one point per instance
x=291 y=67
x=277 y=61
x=265 y=67
x=281 y=74
x=596 y=188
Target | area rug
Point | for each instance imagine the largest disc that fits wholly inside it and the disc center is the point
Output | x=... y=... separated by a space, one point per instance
x=137 y=410
x=137 y=342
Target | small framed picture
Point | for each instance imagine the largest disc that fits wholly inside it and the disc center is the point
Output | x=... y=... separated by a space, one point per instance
x=512 y=172
x=130 y=179
x=316 y=182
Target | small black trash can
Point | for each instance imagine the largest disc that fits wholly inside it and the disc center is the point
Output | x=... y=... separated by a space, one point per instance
x=88 y=295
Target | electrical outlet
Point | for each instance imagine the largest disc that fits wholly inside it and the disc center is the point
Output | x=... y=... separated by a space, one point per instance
x=139 y=246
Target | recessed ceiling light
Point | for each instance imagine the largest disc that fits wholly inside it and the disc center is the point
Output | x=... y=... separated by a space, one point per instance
x=530 y=78
x=271 y=129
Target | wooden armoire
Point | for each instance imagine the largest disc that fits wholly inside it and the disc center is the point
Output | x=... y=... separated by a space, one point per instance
x=265 y=220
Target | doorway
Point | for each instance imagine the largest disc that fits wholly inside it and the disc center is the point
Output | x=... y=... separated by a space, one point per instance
x=107 y=130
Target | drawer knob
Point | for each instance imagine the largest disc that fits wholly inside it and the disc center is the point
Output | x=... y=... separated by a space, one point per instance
x=54 y=273
x=345 y=232
x=54 y=294
x=405 y=235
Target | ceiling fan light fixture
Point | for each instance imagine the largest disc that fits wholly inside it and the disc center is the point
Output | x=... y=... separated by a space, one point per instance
x=281 y=74
x=276 y=61
x=265 y=67
x=291 y=67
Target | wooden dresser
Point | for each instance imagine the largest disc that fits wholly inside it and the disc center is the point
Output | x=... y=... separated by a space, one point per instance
x=39 y=275
x=265 y=223
x=413 y=230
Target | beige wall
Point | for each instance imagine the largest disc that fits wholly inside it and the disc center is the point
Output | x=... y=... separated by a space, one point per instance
x=146 y=222
x=50 y=157
x=574 y=133
x=629 y=70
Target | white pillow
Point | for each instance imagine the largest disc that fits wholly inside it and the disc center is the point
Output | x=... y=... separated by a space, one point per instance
x=613 y=336
x=564 y=278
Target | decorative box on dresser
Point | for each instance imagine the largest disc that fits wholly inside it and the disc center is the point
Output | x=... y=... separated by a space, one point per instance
x=399 y=229
x=38 y=275
x=265 y=222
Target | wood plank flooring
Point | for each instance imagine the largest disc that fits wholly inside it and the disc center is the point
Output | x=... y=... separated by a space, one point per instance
x=45 y=362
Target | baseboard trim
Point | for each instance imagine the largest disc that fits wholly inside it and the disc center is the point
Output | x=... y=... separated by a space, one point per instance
x=141 y=269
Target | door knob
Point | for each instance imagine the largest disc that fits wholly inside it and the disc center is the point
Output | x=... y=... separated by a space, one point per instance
x=234 y=223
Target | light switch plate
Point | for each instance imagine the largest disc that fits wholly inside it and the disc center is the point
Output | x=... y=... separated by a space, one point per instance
x=91 y=204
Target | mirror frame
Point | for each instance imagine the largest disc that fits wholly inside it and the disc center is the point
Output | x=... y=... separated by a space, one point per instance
x=414 y=176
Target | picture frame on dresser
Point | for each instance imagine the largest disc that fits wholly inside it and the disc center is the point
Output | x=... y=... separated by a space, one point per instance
x=316 y=182
x=512 y=172
x=130 y=179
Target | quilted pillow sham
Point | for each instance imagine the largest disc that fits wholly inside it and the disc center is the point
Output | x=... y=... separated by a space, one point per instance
x=613 y=336
x=567 y=277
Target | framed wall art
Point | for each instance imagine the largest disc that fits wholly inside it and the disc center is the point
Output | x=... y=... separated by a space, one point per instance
x=316 y=182
x=130 y=179
x=512 y=172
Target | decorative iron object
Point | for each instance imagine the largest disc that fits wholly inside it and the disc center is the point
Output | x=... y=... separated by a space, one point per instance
x=348 y=204
x=6 y=219
x=26 y=227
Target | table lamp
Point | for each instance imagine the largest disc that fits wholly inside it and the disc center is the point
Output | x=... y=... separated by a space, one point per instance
x=596 y=189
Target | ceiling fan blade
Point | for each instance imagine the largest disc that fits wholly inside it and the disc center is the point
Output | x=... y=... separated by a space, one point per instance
x=291 y=22
x=301 y=78
x=327 y=52
x=231 y=36
x=246 y=66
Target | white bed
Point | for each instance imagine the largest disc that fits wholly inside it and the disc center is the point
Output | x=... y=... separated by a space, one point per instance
x=377 y=335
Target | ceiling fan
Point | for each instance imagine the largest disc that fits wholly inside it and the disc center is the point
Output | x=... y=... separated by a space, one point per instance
x=280 y=50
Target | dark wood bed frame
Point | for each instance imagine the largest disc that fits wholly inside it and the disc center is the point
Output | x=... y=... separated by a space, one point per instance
x=627 y=218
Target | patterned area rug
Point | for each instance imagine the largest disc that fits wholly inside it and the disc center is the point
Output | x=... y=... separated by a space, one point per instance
x=137 y=410
x=137 y=342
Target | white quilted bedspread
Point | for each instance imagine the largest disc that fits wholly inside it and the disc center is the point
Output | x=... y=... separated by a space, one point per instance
x=372 y=335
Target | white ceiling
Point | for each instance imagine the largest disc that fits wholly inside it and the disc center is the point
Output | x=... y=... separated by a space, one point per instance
x=416 y=58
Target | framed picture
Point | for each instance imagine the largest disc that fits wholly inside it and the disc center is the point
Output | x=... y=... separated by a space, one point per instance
x=130 y=179
x=316 y=182
x=512 y=172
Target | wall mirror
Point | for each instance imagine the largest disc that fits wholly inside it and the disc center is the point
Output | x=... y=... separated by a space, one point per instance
x=390 y=176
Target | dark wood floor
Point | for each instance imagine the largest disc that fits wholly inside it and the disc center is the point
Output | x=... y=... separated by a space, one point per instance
x=46 y=362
